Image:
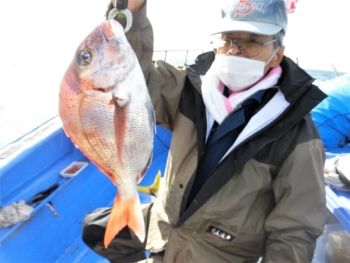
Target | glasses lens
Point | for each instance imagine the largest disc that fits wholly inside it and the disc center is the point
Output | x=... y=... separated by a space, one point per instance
x=222 y=46
x=250 y=47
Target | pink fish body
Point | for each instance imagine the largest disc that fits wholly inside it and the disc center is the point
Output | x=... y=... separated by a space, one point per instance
x=107 y=112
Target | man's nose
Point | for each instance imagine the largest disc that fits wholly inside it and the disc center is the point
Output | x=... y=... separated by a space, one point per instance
x=235 y=50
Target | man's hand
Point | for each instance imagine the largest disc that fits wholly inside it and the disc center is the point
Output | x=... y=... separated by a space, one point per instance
x=133 y=5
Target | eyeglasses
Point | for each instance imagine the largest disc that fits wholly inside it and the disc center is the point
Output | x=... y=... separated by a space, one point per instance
x=250 y=47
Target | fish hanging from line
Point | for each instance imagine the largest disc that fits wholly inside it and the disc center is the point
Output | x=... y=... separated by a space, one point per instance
x=107 y=112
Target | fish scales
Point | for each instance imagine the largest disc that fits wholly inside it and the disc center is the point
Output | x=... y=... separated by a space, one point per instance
x=106 y=111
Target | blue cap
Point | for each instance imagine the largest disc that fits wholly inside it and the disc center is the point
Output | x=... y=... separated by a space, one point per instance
x=262 y=17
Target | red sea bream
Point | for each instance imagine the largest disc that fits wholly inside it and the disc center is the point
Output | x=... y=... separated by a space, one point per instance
x=106 y=111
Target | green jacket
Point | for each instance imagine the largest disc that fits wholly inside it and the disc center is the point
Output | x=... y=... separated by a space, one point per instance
x=265 y=198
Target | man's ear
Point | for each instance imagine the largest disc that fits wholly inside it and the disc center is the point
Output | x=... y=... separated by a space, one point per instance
x=277 y=58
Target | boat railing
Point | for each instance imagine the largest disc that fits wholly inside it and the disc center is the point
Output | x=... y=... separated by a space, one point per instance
x=188 y=55
x=175 y=57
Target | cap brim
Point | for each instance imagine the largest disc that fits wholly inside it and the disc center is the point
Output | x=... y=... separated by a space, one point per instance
x=258 y=28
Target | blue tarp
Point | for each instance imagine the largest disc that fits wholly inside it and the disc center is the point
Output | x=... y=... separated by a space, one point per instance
x=332 y=115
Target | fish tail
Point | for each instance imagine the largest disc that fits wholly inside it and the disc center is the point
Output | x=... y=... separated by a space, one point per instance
x=125 y=213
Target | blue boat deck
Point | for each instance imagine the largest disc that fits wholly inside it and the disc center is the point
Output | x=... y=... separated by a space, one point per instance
x=57 y=238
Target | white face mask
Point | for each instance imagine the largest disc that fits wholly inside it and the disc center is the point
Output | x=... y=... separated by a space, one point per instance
x=238 y=73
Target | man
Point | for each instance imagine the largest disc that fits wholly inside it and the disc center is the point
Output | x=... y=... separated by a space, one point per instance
x=244 y=176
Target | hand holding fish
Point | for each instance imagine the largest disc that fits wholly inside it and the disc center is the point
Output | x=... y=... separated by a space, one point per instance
x=121 y=11
x=133 y=5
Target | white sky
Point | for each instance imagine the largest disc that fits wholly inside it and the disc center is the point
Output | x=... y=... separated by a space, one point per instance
x=318 y=32
x=39 y=39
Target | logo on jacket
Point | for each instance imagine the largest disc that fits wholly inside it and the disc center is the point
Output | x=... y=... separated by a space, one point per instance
x=219 y=233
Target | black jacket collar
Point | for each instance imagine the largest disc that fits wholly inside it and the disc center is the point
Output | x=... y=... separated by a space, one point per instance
x=201 y=66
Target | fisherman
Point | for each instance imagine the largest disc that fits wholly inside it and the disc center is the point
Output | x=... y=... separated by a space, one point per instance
x=244 y=176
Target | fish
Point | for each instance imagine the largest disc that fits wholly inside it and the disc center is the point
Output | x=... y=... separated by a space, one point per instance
x=107 y=113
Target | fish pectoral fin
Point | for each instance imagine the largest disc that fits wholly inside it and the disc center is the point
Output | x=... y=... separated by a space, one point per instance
x=125 y=213
x=120 y=119
x=152 y=189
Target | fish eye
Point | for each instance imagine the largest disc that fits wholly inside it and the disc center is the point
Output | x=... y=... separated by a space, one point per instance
x=84 y=58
